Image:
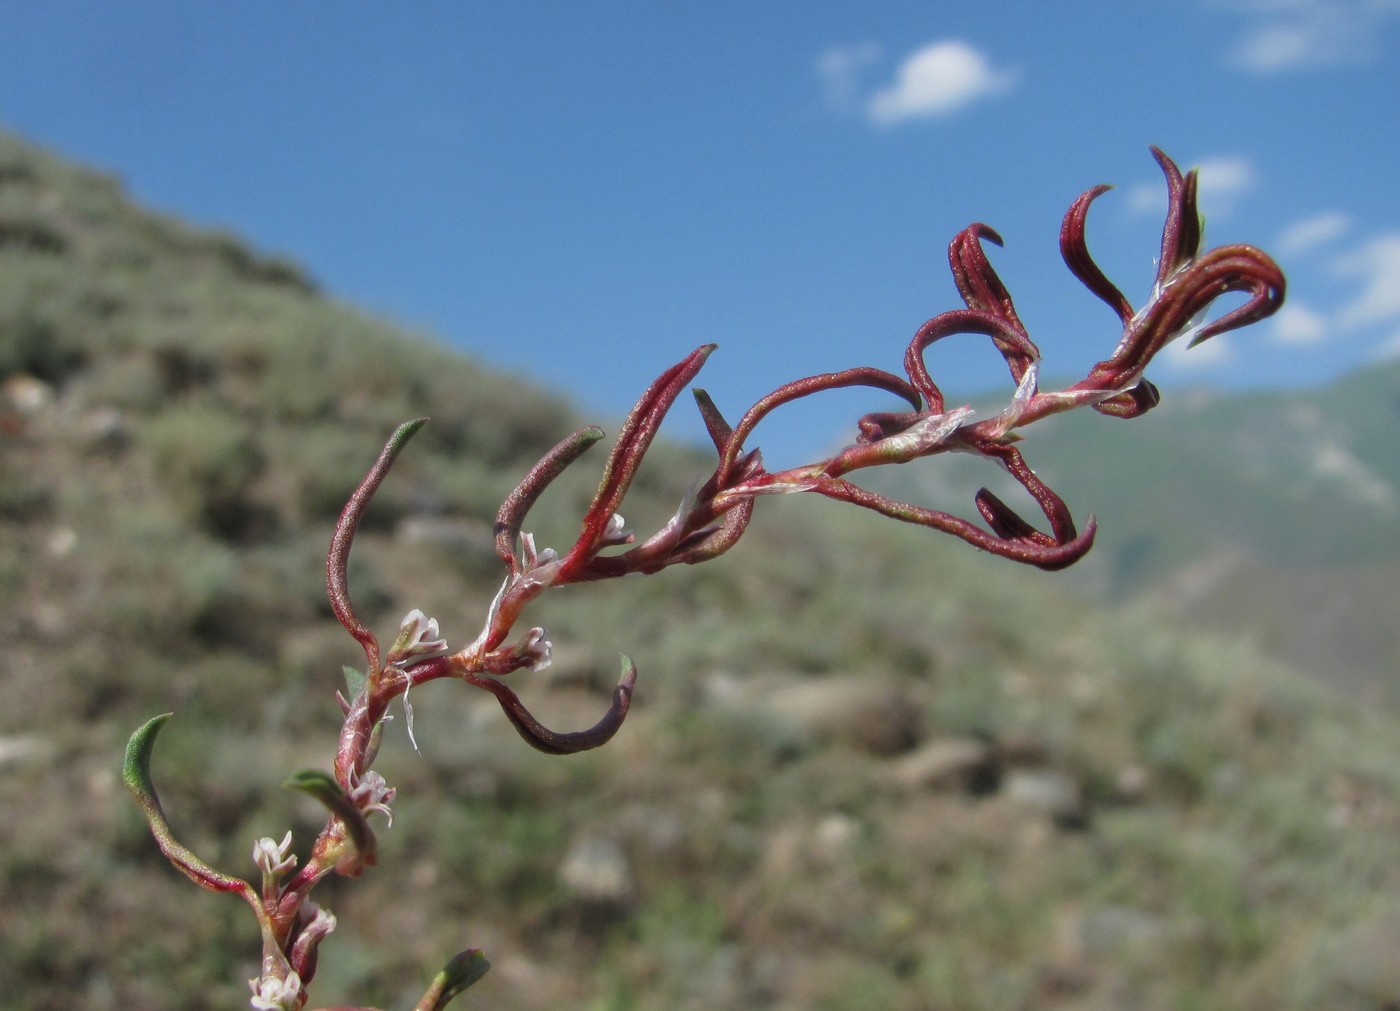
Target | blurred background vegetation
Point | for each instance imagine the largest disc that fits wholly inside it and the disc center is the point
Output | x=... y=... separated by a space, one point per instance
x=866 y=768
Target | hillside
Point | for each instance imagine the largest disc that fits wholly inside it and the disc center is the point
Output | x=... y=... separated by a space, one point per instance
x=864 y=768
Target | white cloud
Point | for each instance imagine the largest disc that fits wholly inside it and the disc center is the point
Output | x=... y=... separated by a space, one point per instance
x=842 y=68
x=1372 y=267
x=1290 y=35
x=1298 y=325
x=1288 y=45
x=1148 y=199
x=1377 y=266
x=1222 y=181
x=1307 y=235
x=937 y=80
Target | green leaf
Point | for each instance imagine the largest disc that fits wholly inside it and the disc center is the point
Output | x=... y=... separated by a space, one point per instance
x=323 y=787
x=136 y=773
x=136 y=770
x=461 y=972
x=354 y=682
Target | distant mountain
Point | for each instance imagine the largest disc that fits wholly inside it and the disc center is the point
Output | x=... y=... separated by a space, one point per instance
x=1270 y=513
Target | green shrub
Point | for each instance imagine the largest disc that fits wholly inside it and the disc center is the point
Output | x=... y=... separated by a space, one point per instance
x=207 y=460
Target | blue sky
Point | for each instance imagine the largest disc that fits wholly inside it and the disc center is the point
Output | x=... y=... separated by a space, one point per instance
x=582 y=193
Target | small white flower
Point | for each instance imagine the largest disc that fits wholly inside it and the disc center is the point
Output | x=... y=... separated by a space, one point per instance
x=318 y=923
x=616 y=531
x=372 y=793
x=272 y=994
x=668 y=536
x=534 y=568
x=536 y=650
x=418 y=638
x=272 y=858
x=323 y=921
x=536 y=559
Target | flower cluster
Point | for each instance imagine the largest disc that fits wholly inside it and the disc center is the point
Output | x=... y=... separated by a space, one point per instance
x=708 y=523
